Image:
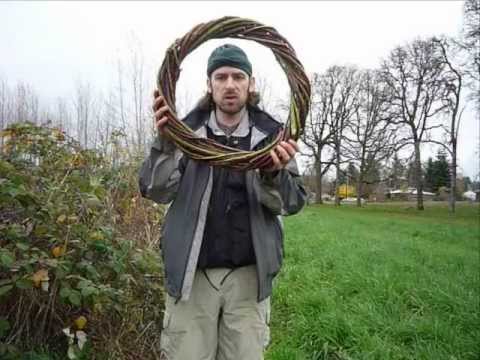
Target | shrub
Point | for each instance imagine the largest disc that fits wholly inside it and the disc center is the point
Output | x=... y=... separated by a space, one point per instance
x=79 y=266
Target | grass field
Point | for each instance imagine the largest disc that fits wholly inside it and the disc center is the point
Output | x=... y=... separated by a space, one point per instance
x=381 y=282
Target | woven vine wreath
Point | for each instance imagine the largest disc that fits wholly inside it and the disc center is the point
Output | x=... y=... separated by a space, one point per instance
x=208 y=150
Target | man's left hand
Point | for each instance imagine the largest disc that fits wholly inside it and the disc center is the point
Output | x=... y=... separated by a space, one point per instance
x=282 y=154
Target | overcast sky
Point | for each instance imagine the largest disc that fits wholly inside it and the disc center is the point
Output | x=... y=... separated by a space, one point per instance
x=51 y=44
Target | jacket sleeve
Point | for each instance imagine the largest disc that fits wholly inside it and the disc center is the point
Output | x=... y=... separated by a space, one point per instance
x=161 y=171
x=283 y=191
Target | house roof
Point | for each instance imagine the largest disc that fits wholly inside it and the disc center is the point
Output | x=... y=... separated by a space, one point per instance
x=410 y=191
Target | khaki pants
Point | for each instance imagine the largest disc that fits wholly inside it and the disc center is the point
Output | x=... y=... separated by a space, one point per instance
x=222 y=320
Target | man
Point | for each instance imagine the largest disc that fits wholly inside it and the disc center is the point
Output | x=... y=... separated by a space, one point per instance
x=222 y=241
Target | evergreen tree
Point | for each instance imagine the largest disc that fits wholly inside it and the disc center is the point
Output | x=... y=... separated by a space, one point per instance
x=397 y=173
x=441 y=172
x=475 y=185
x=371 y=178
x=411 y=174
x=342 y=177
x=352 y=173
x=373 y=175
x=430 y=175
x=467 y=183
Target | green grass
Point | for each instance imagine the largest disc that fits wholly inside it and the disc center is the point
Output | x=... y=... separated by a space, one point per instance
x=380 y=282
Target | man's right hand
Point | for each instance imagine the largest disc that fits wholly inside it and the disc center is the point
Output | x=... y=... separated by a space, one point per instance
x=160 y=109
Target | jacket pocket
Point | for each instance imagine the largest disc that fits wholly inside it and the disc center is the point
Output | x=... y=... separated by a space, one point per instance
x=279 y=246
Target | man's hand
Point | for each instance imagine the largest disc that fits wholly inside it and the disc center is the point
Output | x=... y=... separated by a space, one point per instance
x=160 y=109
x=282 y=154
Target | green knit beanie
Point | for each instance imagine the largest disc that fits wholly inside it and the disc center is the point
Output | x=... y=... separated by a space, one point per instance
x=228 y=55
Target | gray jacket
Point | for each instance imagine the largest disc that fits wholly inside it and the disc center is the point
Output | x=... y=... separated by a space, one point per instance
x=166 y=175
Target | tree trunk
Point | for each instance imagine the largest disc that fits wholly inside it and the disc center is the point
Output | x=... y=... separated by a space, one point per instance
x=337 y=168
x=318 y=182
x=418 y=176
x=359 y=189
x=453 y=180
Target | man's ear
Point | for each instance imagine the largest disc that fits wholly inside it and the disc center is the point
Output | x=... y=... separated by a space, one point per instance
x=251 y=85
x=209 y=86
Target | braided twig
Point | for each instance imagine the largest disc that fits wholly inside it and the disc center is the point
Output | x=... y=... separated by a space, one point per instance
x=206 y=149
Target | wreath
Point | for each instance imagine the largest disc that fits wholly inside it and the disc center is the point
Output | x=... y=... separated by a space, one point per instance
x=207 y=150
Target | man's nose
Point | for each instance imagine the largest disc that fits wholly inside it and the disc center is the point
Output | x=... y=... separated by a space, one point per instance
x=230 y=82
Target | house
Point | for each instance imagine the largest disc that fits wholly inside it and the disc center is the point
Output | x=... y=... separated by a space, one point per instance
x=410 y=194
x=469 y=195
x=353 y=200
x=312 y=197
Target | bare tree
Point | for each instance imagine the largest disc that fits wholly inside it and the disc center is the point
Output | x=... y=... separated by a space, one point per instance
x=412 y=73
x=21 y=111
x=98 y=108
x=61 y=115
x=318 y=134
x=132 y=98
x=369 y=136
x=26 y=103
x=343 y=92
x=109 y=124
x=122 y=112
x=4 y=95
x=471 y=38
x=453 y=84
x=394 y=171
x=184 y=103
x=137 y=64
x=264 y=88
x=83 y=103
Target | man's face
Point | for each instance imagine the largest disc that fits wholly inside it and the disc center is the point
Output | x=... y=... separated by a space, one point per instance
x=229 y=87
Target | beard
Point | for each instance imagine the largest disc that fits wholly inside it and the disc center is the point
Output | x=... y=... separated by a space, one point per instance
x=232 y=107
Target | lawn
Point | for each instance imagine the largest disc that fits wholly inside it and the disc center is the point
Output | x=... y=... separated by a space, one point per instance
x=380 y=282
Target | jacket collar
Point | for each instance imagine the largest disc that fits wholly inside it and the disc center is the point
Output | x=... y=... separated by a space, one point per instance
x=242 y=130
x=199 y=120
